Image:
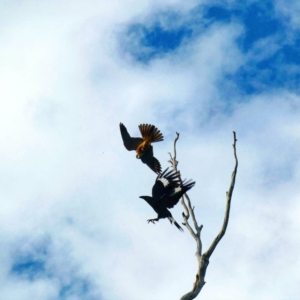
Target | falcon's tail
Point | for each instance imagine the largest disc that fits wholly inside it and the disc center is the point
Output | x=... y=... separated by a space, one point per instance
x=172 y=220
x=150 y=132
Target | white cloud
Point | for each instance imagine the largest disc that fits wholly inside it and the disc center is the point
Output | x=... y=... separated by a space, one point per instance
x=290 y=10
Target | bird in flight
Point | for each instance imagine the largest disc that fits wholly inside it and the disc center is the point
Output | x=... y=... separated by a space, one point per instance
x=166 y=192
x=142 y=146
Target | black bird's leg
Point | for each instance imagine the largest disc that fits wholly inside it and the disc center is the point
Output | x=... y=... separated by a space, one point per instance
x=153 y=220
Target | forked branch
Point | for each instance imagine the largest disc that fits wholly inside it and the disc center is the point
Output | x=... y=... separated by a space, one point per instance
x=203 y=259
x=189 y=210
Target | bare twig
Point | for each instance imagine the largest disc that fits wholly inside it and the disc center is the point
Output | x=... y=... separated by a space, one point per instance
x=203 y=259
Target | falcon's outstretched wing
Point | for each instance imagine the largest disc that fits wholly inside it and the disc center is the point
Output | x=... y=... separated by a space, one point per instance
x=130 y=143
x=151 y=161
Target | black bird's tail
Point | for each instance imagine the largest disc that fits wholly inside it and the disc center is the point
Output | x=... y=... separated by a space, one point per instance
x=172 y=220
x=177 y=225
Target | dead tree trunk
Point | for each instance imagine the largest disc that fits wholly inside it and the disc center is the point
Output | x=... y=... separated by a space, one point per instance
x=203 y=259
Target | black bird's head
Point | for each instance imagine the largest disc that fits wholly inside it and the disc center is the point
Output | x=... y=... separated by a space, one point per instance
x=147 y=199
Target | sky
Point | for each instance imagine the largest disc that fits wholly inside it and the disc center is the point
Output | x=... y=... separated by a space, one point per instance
x=72 y=225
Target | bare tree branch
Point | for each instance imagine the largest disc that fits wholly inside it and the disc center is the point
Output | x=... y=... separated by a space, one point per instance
x=174 y=164
x=214 y=244
x=203 y=259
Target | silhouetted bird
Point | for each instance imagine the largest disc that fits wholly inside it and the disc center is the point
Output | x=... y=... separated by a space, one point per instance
x=166 y=193
x=142 y=146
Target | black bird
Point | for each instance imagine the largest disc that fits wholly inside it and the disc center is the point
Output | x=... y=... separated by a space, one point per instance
x=166 y=192
x=142 y=146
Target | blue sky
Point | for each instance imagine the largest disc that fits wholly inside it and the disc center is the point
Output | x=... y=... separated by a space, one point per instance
x=168 y=31
x=72 y=224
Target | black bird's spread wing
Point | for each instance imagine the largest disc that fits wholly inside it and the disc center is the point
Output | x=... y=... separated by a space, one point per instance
x=174 y=196
x=148 y=159
x=129 y=142
x=158 y=189
x=165 y=183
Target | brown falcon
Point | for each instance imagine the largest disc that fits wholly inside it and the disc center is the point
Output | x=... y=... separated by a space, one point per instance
x=142 y=146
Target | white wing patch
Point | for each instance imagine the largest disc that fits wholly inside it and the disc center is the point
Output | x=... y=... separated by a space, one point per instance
x=164 y=181
x=176 y=191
